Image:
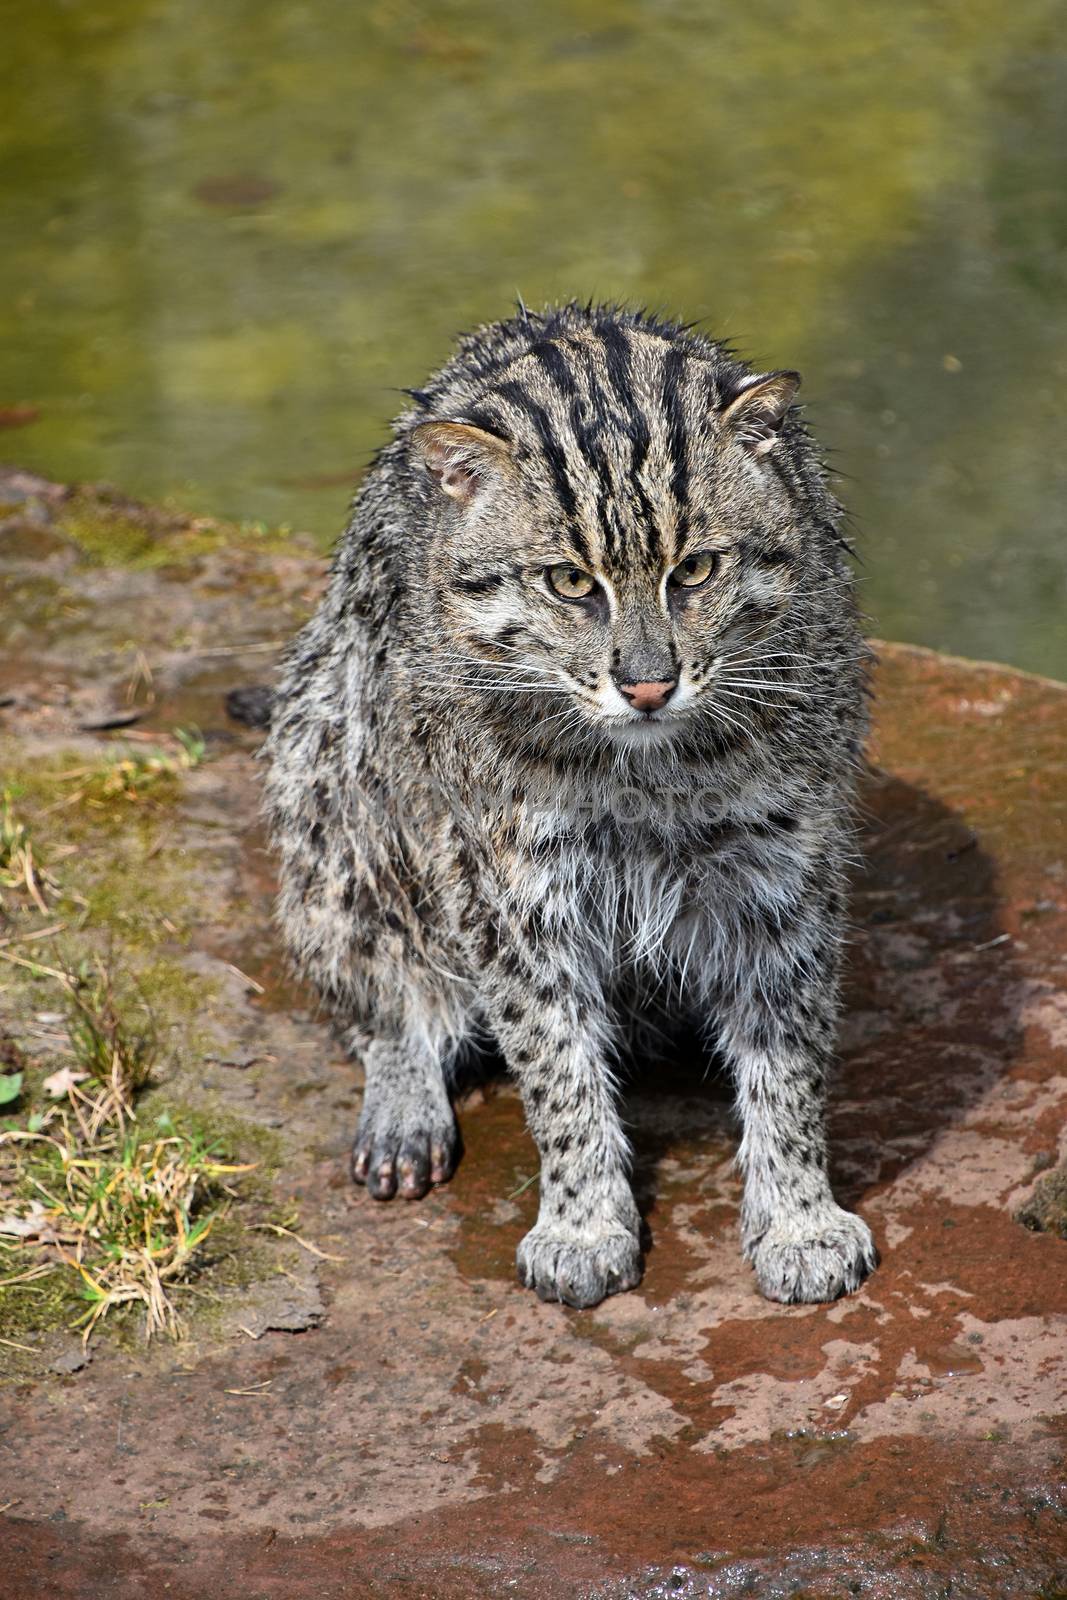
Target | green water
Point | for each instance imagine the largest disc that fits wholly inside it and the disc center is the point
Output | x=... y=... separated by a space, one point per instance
x=228 y=230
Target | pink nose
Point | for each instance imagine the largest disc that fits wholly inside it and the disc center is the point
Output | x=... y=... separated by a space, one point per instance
x=648 y=696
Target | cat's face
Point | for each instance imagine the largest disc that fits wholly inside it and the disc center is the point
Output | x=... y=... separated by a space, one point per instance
x=629 y=582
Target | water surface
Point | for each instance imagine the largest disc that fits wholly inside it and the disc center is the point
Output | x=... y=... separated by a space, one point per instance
x=230 y=232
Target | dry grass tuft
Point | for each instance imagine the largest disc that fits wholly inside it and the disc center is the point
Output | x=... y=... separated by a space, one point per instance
x=115 y=1044
x=125 y=1211
x=129 y=1222
x=19 y=870
x=133 y=773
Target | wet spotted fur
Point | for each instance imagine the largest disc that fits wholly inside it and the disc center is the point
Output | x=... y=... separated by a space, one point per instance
x=484 y=831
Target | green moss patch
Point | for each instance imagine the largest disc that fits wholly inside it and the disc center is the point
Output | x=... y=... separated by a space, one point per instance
x=115 y=532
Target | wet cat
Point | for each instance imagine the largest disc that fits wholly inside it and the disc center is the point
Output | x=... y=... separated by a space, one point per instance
x=573 y=731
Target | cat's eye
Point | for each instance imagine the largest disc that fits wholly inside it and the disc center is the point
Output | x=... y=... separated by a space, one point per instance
x=694 y=570
x=569 y=582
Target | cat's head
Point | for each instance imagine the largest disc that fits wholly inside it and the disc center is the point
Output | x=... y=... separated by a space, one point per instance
x=617 y=538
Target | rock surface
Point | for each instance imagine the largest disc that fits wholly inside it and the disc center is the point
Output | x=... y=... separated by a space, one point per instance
x=395 y=1416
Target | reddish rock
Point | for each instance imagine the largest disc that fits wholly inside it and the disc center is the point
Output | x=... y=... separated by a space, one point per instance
x=440 y=1433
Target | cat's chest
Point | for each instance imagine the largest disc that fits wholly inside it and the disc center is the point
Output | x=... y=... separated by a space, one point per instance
x=618 y=904
x=640 y=900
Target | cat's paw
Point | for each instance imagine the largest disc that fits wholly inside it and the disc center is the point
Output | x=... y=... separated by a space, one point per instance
x=404 y=1151
x=814 y=1255
x=580 y=1273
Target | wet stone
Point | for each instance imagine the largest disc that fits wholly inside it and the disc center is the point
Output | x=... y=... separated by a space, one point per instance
x=395 y=1415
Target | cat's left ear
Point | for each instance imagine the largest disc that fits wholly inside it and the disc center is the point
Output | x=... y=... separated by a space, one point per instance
x=461 y=457
x=756 y=413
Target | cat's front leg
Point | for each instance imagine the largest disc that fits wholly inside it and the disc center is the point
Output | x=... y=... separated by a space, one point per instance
x=776 y=1031
x=585 y=1244
x=802 y=1244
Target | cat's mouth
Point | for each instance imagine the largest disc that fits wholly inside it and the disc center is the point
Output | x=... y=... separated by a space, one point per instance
x=645 y=728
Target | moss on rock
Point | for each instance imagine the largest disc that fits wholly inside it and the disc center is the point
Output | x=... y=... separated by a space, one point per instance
x=112 y=531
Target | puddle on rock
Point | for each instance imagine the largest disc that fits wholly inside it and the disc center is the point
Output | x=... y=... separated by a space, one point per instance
x=495 y=1190
x=952 y=1359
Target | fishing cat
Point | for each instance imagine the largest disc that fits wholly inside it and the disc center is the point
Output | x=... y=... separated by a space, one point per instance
x=574 y=731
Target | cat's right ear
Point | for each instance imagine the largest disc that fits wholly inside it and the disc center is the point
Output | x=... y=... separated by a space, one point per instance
x=462 y=458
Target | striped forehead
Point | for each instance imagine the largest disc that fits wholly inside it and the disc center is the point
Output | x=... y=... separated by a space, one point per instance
x=610 y=419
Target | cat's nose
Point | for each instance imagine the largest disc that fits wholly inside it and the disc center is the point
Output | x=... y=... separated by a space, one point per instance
x=649 y=696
